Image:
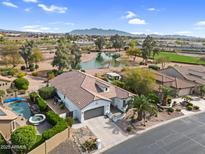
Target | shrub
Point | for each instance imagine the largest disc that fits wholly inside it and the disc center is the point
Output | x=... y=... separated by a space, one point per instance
x=153 y=98
x=47 y=92
x=189 y=108
x=129 y=129
x=118 y=83
x=154 y=67
x=21 y=83
x=2 y=144
x=189 y=104
x=170 y=109
x=42 y=104
x=70 y=121
x=21 y=74
x=59 y=124
x=2 y=93
x=8 y=71
x=31 y=66
x=196 y=107
x=89 y=145
x=24 y=136
x=33 y=96
x=178 y=110
x=34 y=73
x=23 y=68
x=39 y=141
x=36 y=66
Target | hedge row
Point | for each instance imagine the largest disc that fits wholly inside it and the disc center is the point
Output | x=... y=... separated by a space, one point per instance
x=59 y=124
x=42 y=104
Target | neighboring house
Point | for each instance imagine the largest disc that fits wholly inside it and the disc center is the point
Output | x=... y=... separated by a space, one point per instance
x=5 y=83
x=7 y=122
x=182 y=87
x=86 y=96
x=193 y=73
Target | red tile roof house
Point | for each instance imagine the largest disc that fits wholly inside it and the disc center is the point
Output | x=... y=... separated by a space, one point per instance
x=86 y=96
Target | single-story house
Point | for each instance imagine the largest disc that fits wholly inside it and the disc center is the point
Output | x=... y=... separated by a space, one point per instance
x=182 y=87
x=5 y=83
x=194 y=74
x=86 y=96
x=7 y=122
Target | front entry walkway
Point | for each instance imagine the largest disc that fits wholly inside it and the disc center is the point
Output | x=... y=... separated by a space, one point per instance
x=106 y=131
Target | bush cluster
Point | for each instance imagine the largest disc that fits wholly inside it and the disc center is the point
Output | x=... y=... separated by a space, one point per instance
x=34 y=97
x=21 y=74
x=59 y=124
x=21 y=83
x=170 y=109
x=8 y=71
x=47 y=92
x=25 y=136
x=154 y=67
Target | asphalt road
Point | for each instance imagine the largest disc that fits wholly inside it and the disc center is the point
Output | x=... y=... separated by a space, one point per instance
x=184 y=136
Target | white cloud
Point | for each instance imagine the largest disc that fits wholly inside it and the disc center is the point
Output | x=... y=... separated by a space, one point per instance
x=137 y=33
x=137 y=21
x=27 y=9
x=62 y=23
x=130 y=14
x=35 y=28
x=53 y=8
x=31 y=1
x=9 y=4
x=69 y=24
x=183 y=32
x=152 y=9
x=200 y=24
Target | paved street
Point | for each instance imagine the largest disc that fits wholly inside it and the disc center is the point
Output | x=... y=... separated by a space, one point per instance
x=184 y=136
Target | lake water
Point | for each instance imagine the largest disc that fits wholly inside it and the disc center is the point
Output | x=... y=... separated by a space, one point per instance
x=100 y=62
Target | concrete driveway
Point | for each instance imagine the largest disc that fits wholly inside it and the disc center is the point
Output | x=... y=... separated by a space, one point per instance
x=183 y=136
x=106 y=131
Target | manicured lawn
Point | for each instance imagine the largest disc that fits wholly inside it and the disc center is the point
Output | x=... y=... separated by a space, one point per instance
x=181 y=58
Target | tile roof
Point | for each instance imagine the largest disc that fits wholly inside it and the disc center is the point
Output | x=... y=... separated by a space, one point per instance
x=82 y=88
x=6 y=114
x=173 y=82
x=192 y=73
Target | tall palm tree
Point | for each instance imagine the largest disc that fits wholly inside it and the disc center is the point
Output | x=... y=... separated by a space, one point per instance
x=142 y=106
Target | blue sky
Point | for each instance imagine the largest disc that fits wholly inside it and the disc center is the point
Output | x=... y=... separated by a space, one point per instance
x=185 y=17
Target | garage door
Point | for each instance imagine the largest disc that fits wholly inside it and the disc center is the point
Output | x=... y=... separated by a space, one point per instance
x=94 y=113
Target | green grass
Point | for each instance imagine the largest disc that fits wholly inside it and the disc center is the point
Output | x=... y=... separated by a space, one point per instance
x=174 y=57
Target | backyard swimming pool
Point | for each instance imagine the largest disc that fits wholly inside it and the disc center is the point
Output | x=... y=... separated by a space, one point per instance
x=21 y=108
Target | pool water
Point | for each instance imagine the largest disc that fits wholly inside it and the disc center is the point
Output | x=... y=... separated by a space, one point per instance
x=21 y=108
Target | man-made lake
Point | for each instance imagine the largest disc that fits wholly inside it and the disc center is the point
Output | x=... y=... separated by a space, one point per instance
x=102 y=60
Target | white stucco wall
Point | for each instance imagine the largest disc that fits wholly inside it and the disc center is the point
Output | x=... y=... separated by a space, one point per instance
x=70 y=106
x=117 y=102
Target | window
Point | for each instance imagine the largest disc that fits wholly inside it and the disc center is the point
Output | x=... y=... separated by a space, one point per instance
x=124 y=103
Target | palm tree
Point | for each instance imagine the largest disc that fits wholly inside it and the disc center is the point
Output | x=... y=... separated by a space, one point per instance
x=166 y=92
x=142 y=106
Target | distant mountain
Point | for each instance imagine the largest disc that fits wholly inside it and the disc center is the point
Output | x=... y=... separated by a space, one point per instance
x=97 y=31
